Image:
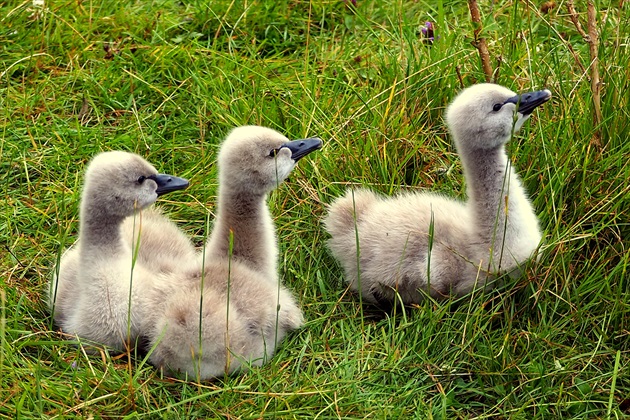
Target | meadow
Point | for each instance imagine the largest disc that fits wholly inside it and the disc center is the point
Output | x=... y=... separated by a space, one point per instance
x=168 y=79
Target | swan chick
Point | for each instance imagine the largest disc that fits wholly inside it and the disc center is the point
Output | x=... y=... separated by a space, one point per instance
x=90 y=294
x=398 y=249
x=236 y=311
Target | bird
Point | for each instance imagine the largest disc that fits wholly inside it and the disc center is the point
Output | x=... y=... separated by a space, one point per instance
x=232 y=310
x=397 y=250
x=100 y=292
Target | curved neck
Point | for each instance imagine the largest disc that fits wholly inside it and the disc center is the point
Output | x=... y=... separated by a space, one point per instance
x=244 y=231
x=496 y=196
x=98 y=231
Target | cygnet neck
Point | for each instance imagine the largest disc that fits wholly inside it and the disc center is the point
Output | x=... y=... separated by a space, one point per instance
x=99 y=230
x=244 y=215
x=494 y=190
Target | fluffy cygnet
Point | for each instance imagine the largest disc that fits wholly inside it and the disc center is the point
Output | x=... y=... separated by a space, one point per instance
x=90 y=295
x=426 y=243
x=236 y=311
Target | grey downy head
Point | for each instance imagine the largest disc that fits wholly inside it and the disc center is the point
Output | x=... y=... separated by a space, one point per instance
x=257 y=159
x=484 y=116
x=121 y=183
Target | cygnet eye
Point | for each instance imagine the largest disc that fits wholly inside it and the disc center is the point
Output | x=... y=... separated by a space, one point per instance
x=141 y=179
x=274 y=152
x=497 y=107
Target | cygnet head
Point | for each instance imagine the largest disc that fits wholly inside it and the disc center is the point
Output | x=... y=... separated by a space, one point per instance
x=483 y=116
x=257 y=159
x=119 y=183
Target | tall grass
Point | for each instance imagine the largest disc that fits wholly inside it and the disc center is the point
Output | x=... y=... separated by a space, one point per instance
x=168 y=79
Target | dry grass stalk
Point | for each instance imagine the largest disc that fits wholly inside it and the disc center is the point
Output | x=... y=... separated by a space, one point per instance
x=574 y=15
x=593 y=42
x=479 y=41
x=592 y=39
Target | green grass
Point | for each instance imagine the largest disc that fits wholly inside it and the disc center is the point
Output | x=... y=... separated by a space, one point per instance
x=169 y=79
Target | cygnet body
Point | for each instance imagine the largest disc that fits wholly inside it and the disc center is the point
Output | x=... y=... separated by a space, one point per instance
x=90 y=295
x=161 y=244
x=427 y=243
x=237 y=311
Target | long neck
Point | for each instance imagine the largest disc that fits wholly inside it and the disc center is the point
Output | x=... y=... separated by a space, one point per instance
x=244 y=231
x=99 y=232
x=497 y=200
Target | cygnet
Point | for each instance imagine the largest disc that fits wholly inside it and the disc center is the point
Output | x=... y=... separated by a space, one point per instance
x=99 y=280
x=400 y=248
x=236 y=311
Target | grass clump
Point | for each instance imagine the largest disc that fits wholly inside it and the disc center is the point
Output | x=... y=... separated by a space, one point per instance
x=168 y=80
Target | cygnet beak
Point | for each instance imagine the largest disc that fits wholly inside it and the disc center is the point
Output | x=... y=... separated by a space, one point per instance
x=301 y=148
x=167 y=183
x=527 y=102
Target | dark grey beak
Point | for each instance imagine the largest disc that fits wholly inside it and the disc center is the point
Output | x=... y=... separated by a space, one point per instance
x=167 y=183
x=527 y=102
x=301 y=148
